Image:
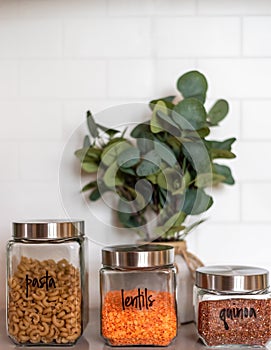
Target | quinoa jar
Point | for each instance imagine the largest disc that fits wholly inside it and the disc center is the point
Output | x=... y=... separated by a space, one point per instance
x=138 y=295
x=46 y=283
x=232 y=306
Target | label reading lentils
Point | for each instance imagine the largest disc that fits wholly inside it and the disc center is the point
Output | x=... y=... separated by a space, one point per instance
x=235 y=321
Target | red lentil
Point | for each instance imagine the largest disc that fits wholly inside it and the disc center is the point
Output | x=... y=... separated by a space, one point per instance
x=155 y=325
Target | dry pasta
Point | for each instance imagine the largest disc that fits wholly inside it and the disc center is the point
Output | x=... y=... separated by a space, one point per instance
x=44 y=302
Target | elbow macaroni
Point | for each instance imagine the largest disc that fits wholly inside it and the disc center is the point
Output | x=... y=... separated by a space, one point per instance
x=50 y=316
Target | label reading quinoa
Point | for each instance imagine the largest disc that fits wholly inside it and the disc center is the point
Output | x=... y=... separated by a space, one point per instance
x=235 y=313
x=235 y=321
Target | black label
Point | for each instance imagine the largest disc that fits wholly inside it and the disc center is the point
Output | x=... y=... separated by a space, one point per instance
x=142 y=300
x=236 y=313
x=44 y=281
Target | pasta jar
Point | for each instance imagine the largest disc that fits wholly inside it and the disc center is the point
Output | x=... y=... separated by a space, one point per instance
x=138 y=295
x=46 y=282
x=233 y=306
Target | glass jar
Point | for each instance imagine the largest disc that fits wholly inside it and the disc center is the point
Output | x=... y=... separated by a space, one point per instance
x=138 y=295
x=232 y=306
x=46 y=282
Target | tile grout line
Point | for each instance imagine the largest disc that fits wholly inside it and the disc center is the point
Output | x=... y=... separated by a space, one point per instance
x=241 y=36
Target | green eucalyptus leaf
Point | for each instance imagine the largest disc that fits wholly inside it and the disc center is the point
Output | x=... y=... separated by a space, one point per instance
x=86 y=143
x=162 y=180
x=204 y=180
x=167 y=124
x=152 y=178
x=162 y=194
x=203 y=132
x=92 y=125
x=94 y=153
x=116 y=140
x=153 y=156
x=175 y=144
x=166 y=233
x=144 y=193
x=197 y=154
x=221 y=153
x=88 y=154
x=169 y=179
x=89 y=167
x=186 y=180
x=128 y=171
x=190 y=114
x=128 y=158
x=217 y=179
x=108 y=131
x=146 y=168
x=193 y=84
x=225 y=172
x=195 y=135
x=207 y=180
x=89 y=186
x=113 y=150
x=126 y=215
x=172 y=225
x=223 y=145
x=167 y=100
x=149 y=165
x=95 y=195
x=156 y=126
x=165 y=153
x=81 y=154
x=196 y=202
x=179 y=218
x=218 y=112
x=111 y=177
x=141 y=130
x=145 y=145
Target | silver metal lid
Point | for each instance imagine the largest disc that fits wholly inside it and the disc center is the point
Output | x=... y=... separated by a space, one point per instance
x=48 y=229
x=232 y=278
x=136 y=256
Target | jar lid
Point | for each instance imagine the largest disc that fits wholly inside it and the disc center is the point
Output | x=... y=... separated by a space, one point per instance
x=232 y=278
x=136 y=256
x=48 y=229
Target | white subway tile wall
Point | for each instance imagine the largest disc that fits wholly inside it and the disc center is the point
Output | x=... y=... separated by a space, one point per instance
x=59 y=58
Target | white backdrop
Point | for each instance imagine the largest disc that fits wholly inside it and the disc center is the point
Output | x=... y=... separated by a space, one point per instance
x=59 y=58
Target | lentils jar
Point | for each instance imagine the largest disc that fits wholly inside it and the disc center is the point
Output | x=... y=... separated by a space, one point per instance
x=46 y=282
x=233 y=306
x=138 y=295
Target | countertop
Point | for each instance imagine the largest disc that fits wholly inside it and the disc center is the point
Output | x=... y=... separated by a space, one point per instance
x=186 y=340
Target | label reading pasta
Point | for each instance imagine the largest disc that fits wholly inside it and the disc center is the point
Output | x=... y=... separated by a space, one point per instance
x=47 y=281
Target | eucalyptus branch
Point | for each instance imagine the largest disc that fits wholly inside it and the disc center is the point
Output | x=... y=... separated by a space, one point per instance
x=169 y=155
